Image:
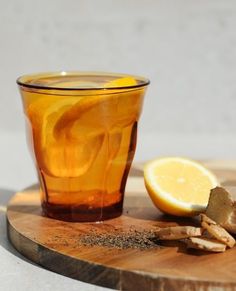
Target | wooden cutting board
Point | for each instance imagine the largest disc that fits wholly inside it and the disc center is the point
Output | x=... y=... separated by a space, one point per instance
x=54 y=245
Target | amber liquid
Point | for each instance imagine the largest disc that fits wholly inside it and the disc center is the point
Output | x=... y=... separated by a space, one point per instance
x=83 y=147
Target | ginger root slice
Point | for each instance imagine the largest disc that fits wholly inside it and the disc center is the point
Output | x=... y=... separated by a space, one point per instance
x=222 y=207
x=178 y=232
x=206 y=219
x=217 y=231
x=205 y=244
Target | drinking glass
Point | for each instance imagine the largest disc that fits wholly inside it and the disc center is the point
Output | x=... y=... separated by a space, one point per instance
x=82 y=130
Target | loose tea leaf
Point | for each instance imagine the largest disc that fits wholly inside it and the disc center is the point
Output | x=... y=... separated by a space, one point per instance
x=132 y=238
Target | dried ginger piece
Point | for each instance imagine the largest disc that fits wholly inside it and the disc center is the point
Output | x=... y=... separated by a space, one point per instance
x=205 y=218
x=205 y=244
x=222 y=207
x=178 y=232
x=220 y=217
x=217 y=231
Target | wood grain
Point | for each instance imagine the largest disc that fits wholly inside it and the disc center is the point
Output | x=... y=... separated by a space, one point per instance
x=54 y=245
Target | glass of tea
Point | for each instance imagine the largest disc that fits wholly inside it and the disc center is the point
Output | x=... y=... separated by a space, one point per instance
x=82 y=128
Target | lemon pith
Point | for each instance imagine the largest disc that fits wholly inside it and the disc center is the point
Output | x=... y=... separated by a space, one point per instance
x=178 y=186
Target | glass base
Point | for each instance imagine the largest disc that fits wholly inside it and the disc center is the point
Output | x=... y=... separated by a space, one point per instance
x=81 y=213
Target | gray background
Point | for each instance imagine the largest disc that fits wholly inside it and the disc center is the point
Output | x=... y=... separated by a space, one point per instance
x=186 y=48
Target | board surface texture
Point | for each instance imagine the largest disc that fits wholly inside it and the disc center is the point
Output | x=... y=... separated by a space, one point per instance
x=54 y=244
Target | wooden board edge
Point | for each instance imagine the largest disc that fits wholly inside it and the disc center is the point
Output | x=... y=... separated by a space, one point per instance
x=91 y=273
x=97 y=274
x=21 y=243
x=134 y=281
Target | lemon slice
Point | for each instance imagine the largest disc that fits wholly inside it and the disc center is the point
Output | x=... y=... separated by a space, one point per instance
x=179 y=186
x=121 y=82
x=107 y=101
x=46 y=111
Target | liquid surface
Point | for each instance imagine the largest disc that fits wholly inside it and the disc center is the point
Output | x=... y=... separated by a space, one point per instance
x=77 y=80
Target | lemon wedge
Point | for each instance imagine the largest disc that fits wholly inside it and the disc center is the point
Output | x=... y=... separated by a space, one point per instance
x=45 y=112
x=179 y=186
x=121 y=82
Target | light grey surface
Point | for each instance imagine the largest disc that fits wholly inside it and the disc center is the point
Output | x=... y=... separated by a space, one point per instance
x=186 y=48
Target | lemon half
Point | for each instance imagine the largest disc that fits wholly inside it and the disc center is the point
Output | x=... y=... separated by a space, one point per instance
x=179 y=186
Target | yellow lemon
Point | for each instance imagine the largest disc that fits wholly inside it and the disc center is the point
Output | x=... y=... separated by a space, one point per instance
x=121 y=82
x=106 y=101
x=45 y=112
x=178 y=186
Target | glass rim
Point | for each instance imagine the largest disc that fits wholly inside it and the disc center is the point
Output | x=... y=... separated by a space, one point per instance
x=24 y=80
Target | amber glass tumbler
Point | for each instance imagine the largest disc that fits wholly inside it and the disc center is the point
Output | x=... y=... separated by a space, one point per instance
x=82 y=129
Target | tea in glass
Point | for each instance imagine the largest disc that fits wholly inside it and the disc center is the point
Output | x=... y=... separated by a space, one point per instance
x=83 y=130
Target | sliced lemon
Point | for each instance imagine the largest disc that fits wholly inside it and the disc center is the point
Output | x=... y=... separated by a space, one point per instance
x=45 y=112
x=108 y=102
x=121 y=82
x=179 y=186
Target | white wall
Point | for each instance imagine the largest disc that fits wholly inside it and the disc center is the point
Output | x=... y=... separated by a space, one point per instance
x=186 y=47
